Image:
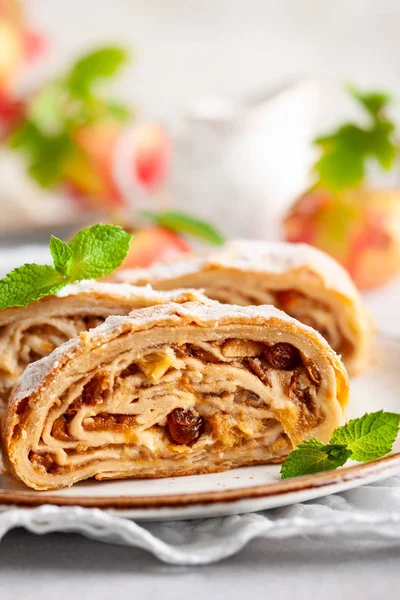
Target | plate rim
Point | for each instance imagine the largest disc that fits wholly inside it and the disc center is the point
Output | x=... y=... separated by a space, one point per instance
x=296 y=484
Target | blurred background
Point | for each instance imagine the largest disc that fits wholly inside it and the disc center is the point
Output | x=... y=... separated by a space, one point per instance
x=192 y=121
x=184 y=49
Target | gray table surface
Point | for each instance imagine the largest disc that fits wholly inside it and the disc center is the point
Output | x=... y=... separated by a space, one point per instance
x=70 y=566
x=65 y=566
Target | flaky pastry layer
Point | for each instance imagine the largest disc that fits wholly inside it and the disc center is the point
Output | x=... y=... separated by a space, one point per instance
x=173 y=390
x=32 y=332
x=297 y=278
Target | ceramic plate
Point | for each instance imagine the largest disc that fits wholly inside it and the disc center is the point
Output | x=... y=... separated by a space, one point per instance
x=240 y=490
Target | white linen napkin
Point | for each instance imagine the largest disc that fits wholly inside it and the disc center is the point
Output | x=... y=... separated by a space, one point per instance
x=366 y=514
x=363 y=515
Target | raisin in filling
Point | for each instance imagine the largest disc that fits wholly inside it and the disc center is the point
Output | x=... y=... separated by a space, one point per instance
x=197 y=395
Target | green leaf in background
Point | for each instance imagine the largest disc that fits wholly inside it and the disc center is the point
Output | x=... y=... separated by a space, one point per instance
x=345 y=152
x=373 y=102
x=27 y=138
x=27 y=283
x=182 y=223
x=119 y=111
x=47 y=111
x=45 y=155
x=47 y=137
x=343 y=158
x=98 y=251
x=62 y=255
x=47 y=164
x=100 y=64
x=369 y=437
x=312 y=456
x=381 y=146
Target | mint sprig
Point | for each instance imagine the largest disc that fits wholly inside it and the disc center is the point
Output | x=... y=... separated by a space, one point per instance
x=183 y=223
x=94 y=252
x=367 y=438
x=346 y=151
x=62 y=255
x=313 y=456
x=370 y=437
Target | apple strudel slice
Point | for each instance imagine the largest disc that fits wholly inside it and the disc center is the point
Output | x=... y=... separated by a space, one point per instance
x=299 y=279
x=31 y=332
x=175 y=389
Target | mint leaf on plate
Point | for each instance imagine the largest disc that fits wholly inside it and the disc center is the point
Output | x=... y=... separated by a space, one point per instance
x=313 y=456
x=366 y=438
x=97 y=251
x=370 y=436
x=62 y=255
x=27 y=283
x=94 y=252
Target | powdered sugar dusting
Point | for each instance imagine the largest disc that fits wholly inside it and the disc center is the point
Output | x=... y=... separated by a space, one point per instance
x=126 y=291
x=161 y=271
x=252 y=255
x=206 y=313
x=36 y=372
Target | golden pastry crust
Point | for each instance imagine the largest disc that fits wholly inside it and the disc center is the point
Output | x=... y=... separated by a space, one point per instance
x=31 y=332
x=297 y=278
x=169 y=391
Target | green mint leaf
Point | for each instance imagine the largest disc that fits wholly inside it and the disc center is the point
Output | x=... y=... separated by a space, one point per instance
x=312 y=456
x=94 y=252
x=62 y=255
x=100 y=64
x=345 y=152
x=183 y=223
x=370 y=436
x=28 y=283
x=98 y=251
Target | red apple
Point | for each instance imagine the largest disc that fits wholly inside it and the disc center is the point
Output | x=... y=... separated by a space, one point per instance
x=143 y=155
x=89 y=172
x=152 y=158
x=11 y=112
x=153 y=244
x=358 y=227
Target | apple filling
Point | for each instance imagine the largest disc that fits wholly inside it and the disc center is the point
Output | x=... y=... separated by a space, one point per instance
x=226 y=399
x=22 y=343
x=308 y=310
